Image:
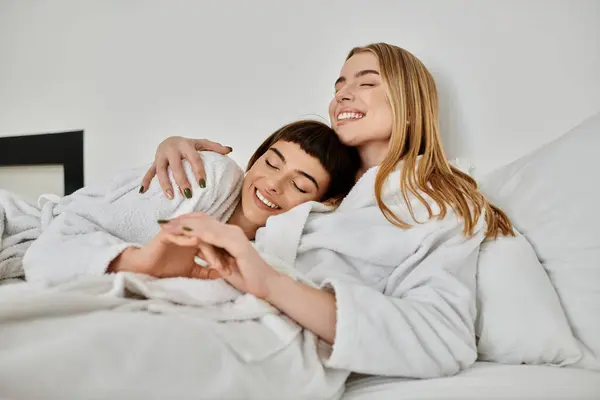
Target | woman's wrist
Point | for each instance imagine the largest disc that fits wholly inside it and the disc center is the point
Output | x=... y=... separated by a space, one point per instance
x=125 y=262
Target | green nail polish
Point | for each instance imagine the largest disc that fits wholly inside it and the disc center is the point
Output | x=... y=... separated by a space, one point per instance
x=141 y=189
x=187 y=193
x=202 y=183
x=163 y=221
x=186 y=228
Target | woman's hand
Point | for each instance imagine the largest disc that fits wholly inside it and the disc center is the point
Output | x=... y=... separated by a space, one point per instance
x=228 y=251
x=166 y=256
x=170 y=154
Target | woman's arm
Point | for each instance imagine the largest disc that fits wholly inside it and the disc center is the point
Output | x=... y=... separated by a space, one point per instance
x=87 y=232
x=424 y=324
x=97 y=223
x=299 y=302
x=243 y=267
x=70 y=247
x=422 y=327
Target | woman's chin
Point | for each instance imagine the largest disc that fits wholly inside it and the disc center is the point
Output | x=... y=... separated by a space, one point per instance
x=347 y=135
x=257 y=218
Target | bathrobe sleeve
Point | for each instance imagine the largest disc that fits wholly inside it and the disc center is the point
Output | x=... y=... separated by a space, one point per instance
x=422 y=326
x=95 y=224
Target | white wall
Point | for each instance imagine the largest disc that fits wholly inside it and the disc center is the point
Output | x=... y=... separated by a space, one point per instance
x=512 y=74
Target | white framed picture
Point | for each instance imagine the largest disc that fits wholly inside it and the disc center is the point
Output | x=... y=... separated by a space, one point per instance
x=51 y=163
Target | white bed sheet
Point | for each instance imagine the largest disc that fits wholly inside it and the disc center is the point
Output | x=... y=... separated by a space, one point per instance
x=484 y=381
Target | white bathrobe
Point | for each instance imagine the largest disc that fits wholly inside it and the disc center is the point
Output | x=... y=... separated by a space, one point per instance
x=95 y=224
x=405 y=297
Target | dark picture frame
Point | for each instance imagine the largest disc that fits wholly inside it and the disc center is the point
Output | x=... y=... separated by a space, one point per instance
x=63 y=148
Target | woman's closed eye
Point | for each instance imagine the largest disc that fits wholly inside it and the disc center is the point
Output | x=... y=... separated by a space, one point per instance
x=299 y=188
x=271 y=165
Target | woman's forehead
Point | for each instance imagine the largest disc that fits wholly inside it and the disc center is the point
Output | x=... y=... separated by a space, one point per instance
x=359 y=62
x=290 y=149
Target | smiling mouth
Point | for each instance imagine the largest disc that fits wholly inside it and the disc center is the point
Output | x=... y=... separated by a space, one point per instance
x=264 y=201
x=349 y=116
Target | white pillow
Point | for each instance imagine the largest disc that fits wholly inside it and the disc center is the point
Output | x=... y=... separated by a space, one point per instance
x=552 y=197
x=519 y=317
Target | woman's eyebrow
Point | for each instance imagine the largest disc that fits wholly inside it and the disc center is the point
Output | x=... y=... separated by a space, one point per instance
x=274 y=150
x=308 y=176
x=313 y=180
x=357 y=75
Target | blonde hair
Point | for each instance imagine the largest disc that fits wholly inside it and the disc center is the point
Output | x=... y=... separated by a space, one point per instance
x=412 y=94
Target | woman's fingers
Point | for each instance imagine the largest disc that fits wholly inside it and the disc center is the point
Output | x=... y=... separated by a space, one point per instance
x=170 y=154
x=197 y=164
x=151 y=173
x=217 y=263
x=205 y=144
x=205 y=273
x=210 y=230
x=162 y=172
x=225 y=238
x=189 y=224
x=179 y=175
x=231 y=264
x=180 y=240
x=214 y=257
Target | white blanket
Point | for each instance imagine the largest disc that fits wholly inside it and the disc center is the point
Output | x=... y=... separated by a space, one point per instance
x=20 y=224
x=133 y=336
x=99 y=338
x=405 y=298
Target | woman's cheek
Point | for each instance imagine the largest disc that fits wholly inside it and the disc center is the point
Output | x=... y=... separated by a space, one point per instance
x=292 y=202
x=331 y=112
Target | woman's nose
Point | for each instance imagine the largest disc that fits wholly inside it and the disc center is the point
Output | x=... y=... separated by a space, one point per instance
x=344 y=94
x=273 y=185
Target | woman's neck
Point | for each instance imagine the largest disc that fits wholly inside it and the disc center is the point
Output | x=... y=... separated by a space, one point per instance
x=238 y=218
x=372 y=154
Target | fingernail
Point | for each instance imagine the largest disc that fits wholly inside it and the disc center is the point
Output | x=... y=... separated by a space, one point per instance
x=230 y=148
x=169 y=194
x=202 y=183
x=163 y=221
x=141 y=189
x=187 y=193
x=186 y=228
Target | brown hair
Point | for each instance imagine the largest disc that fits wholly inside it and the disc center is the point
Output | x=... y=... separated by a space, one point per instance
x=413 y=97
x=320 y=141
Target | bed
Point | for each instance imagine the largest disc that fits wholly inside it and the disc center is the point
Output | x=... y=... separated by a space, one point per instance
x=548 y=196
x=484 y=381
x=549 y=212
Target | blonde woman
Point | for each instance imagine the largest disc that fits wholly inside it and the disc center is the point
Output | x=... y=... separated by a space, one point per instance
x=396 y=261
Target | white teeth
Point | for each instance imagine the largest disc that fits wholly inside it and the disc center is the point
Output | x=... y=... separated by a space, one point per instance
x=350 y=115
x=265 y=201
